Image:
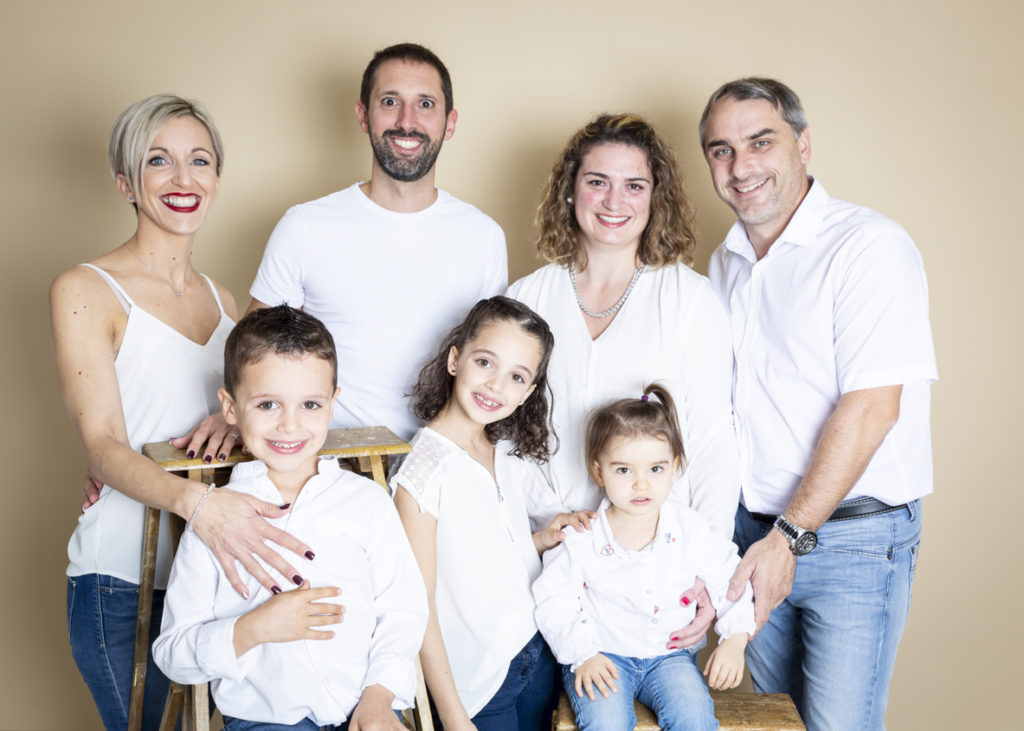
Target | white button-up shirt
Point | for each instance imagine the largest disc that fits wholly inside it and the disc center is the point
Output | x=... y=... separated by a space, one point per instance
x=838 y=304
x=352 y=525
x=596 y=596
x=671 y=330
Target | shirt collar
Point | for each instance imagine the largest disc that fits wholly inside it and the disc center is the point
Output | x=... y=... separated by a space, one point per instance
x=669 y=531
x=802 y=229
x=327 y=471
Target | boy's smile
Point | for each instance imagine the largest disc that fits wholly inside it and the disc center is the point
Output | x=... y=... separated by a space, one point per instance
x=282 y=406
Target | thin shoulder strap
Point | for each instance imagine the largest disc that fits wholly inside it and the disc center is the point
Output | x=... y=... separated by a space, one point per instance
x=213 y=288
x=122 y=296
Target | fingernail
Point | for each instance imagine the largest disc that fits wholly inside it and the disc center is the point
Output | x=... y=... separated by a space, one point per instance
x=310 y=555
x=674 y=639
x=190 y=454
x=207 y=458
x=297 y=580
x=686 y=601
x=285 y=506
x=275 y=589
x=222 y=457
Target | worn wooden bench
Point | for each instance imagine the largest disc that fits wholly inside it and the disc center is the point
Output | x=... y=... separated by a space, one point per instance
x=367 y=447
x=735 y=711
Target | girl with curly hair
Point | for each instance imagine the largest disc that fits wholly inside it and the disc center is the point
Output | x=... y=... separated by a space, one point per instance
x=462 y=495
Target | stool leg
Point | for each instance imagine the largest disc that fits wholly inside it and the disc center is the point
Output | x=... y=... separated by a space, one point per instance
x=377 y=465
x=151 y=532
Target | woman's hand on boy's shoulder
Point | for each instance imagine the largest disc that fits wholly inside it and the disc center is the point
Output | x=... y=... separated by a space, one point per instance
x=552 y=535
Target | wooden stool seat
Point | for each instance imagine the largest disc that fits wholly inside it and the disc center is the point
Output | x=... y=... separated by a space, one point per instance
x=734 y=710
x=369 y=446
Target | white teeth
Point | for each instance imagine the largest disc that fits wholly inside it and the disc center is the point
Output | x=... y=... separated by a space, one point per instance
x=285 y=445
x=487 y=402
x=755 y=186
x=407 y=144
x=612 y=219
x=180 y=201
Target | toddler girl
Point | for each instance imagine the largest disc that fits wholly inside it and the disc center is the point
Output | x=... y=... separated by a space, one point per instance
x=606 y=596
x=461 y=496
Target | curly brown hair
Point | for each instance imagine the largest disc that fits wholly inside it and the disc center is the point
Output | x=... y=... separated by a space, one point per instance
x=670 y=235
x=526 y=427
x=631 y=417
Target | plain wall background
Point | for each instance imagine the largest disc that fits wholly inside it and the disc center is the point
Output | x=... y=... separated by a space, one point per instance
x=915 y=109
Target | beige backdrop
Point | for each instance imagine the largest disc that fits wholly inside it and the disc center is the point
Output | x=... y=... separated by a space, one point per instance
x=915 y=110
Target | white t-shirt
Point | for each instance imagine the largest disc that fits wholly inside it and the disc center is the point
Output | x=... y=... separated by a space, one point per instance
x=486 y=558
x=352 y=525
x=671 y=330
x=838 y=304
x=596 y=596
x=388 y=285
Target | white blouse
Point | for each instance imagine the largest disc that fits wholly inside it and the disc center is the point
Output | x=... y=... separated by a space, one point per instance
x=596 y=596
x=486 y=559
x=672 y=330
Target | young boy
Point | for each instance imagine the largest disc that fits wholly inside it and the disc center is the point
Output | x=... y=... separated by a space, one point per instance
x=289 y=658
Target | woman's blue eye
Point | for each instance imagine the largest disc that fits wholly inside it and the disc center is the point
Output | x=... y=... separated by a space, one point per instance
x=157 y=161
x=200 y=161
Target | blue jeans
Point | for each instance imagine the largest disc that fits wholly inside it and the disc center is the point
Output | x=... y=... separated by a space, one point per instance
x=670 y=685
x=832 y=644
x=237 y=724
x=527 y=697
x=101 y=613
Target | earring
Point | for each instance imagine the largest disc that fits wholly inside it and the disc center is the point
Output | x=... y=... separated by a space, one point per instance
x=569 y=200
x=131 y=199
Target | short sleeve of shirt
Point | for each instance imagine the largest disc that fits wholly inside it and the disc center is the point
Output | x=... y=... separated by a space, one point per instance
x=421 y=474
x=882 y=329
x=279 y=278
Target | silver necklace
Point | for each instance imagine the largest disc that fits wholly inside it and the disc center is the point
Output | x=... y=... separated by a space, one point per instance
x=614 y=308
x=177 y=293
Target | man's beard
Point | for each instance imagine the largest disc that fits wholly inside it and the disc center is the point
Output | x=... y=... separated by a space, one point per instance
x=403 y=169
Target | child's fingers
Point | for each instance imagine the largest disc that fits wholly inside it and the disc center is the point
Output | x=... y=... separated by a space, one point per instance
x=578 y=686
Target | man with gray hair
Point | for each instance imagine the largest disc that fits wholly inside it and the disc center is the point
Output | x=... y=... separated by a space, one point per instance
x=828 y=305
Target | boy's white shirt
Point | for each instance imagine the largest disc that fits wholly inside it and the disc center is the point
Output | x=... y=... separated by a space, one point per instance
x=352 y=525
x=596 y=596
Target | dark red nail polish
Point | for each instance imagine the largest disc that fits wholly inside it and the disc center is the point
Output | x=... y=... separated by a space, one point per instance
x=275 y=589
x=191 y=454
x=286 y=506
x=297 y=579
x=310 y=555
x=686 y=601
x=207 y=458
x=222 y=457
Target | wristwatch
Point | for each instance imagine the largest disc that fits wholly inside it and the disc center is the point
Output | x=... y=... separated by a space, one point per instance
x=801 y=541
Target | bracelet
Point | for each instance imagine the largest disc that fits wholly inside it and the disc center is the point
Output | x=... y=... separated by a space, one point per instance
x=199 y=505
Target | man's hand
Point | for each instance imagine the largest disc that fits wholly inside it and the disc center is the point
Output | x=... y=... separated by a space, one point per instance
x=692 y=633
x=287 y=617
x=232 y=525
x=373 y=713
x=213 y=431
x=769 y=566
x=597 y=672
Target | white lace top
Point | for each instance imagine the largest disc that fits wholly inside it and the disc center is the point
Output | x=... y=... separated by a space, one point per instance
x=486 y=560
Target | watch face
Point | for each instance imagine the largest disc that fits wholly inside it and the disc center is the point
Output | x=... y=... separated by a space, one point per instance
x=805 y=543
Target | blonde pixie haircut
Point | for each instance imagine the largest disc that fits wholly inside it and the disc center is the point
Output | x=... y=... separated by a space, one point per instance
x=135 y=128
x=670 y=234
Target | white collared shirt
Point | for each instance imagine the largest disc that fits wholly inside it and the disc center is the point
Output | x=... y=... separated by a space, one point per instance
x=486 y=558
x=671 y=330
x=353 y=527
x=596 y=596
x=839 y=303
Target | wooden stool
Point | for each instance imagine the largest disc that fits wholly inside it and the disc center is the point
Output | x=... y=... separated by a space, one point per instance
x=735 y=712
x=369 y=447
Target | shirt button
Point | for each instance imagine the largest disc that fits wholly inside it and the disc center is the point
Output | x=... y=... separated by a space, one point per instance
x=654 y=621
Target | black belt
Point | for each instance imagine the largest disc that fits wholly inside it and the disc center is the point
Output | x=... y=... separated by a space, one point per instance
x=859 y=508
